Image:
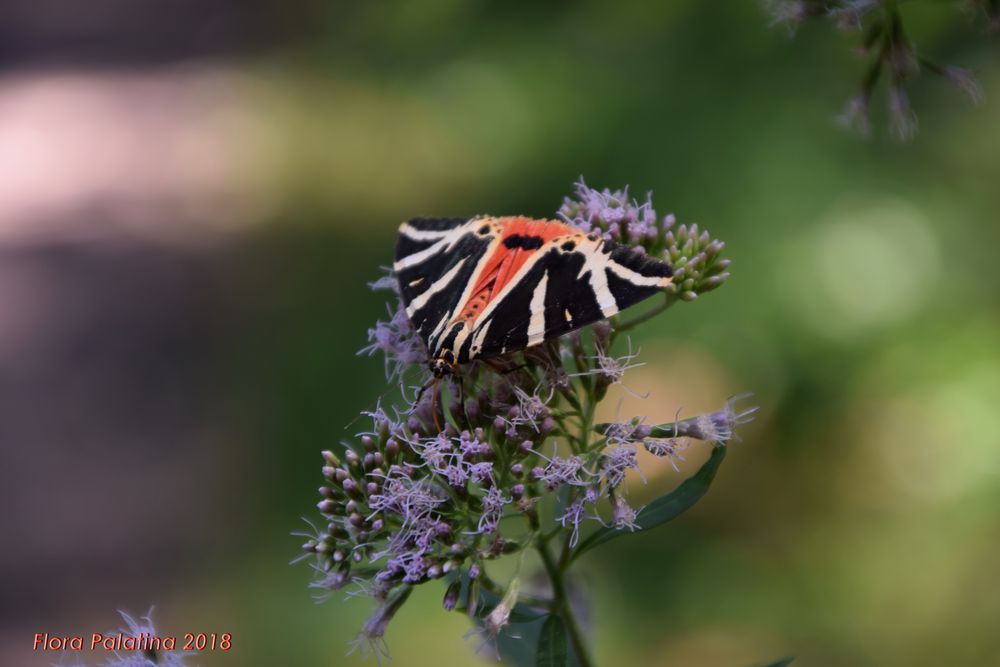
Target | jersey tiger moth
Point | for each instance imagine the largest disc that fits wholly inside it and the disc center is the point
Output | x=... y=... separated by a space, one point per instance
x=480 y=287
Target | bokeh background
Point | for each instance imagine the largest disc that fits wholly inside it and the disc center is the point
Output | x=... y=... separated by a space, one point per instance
x=194 y=194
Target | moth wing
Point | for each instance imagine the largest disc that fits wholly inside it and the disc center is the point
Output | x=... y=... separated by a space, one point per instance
x=436 y=259
x=563 y=290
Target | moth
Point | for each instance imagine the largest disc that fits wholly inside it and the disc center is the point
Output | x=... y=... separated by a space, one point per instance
x=481 y=287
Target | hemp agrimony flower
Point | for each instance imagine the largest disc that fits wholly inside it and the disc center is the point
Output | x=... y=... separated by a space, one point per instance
x=498 y=457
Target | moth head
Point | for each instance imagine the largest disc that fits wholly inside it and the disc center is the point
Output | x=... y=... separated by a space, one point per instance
x=442 y=367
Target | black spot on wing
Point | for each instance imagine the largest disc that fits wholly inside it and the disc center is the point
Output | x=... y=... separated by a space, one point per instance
x=526 y=242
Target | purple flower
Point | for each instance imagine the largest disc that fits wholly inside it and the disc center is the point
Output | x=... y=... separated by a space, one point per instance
x=531 y=410
x=611 y=370
x=620 y=218
x=669 y=448
x=561 y=471
x=720 y=426
x=398 y=341
x=617 y=461
x=481 y=472
x=574 y=516
x=620 y=433
x=624 y=515
x=494 y=503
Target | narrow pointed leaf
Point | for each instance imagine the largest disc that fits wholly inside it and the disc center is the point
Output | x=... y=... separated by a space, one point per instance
x=665 y=507
x=552 y=646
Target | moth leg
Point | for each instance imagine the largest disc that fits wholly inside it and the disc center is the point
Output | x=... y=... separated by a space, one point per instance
x=500 y=368
x=436 y=389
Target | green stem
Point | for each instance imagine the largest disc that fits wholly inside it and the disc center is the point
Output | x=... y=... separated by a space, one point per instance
x=562 y=606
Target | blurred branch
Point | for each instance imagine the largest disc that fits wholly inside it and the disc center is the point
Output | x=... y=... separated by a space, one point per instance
x=885 y=41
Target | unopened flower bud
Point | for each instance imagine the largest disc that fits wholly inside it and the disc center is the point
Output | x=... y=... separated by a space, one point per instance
x=451 y=595
x=327 y=506
x=330 y=457
x=392 y=449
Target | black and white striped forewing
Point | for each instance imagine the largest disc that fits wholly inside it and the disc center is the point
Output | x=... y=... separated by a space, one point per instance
x=436 y=261
x=563 y=288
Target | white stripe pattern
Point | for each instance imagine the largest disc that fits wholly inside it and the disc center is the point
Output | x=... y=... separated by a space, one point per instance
x=637 y=278
x=438 y=285
x=406 y=229
x=536 y=326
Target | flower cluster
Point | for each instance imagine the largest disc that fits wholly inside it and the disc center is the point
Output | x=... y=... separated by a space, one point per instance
x=693 y=253
x=505 y=456
x=894 y=57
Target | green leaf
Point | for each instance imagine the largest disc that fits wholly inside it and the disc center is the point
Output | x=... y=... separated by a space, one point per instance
x=784 y=662
x=552 y=647
x=664 y=508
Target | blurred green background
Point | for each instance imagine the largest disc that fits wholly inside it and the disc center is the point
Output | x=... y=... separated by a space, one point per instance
x=193 y=198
